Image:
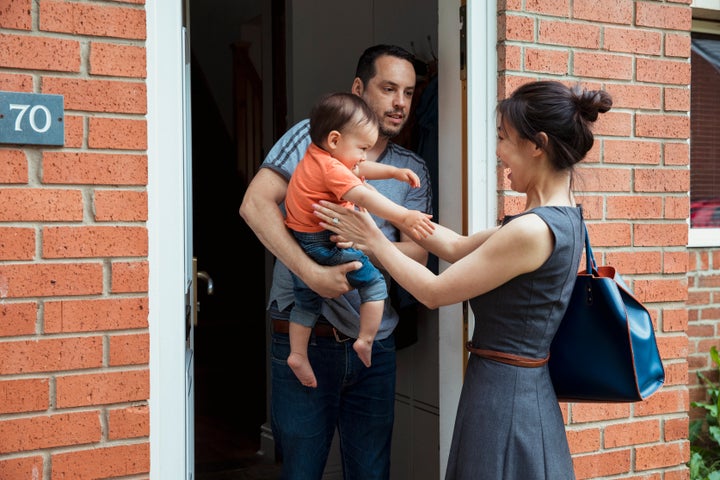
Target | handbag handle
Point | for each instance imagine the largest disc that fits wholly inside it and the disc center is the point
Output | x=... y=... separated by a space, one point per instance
x=589 y=256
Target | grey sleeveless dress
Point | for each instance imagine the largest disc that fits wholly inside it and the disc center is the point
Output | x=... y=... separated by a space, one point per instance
x=509 y=425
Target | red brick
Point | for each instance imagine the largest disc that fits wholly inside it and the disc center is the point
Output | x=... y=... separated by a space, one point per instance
x=676 y=153
x=39 y=53
x=50 y=279
x=604 y=11
x=13 y=166
x=675 y=262
x=662 y=455
x=74 y=131
x=671 y=17
x=130 y=422
x=662 y=180
x=129 y=349
x=634 y=207
x=93 y=20
x=651 y=70
x=11 y=82
x=109 y=462
x=595 y=412
x=50 y=354
x=102 y=388
x=614 y=123
x=17 y=319
x=40 y=204
x=646 y=97
x=631 y=433
x=515 y=27
x=631 y=40
x=47 y=431
x=664 y=401
x=120 y=205
x=21 y=468
x=602 y=465
x=558 y=32
x=662 y=126
x=20 y=396
x=608 y=234
x=117 y=60
x=583 y=440
x=660 y=235
x=546 y=61
x=677 y=208
x=89 y=241
x=94 y=168
x=117 y=133
x=602 y=65
x=509 y=57
x=660 y=290
x=634 y=262
x=560 y=8
x=677 y=99
x=17 y=15
x=92 y=315
x=99 y=95
x=17 y=243
x=129 y=277
x=602 y=179
x=676 y=374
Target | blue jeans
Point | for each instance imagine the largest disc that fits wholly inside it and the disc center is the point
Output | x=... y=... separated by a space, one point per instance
x=368 y=280
x=358 y=401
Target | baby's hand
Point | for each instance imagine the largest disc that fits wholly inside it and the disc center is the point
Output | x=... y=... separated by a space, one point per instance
x=408 y=176
x=418 y=223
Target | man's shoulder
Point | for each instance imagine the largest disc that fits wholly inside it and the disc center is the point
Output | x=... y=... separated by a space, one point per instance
x=402 y=157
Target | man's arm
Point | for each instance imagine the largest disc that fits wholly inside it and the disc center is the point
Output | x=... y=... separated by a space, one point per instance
x=260 y=210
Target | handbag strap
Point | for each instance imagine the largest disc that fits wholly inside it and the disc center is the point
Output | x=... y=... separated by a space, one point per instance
x=591 y=265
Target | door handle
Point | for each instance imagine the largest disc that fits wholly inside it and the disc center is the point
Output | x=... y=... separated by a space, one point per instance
x=210 y=289
x=205 y=276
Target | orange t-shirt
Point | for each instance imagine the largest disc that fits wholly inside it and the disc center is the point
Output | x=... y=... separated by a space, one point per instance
x=318 y=176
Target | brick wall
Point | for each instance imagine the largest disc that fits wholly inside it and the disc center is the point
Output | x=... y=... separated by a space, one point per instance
x=633 y=186
x=74 y=346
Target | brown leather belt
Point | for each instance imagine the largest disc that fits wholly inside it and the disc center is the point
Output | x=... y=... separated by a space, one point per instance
x=508 y=358
x=320 y=330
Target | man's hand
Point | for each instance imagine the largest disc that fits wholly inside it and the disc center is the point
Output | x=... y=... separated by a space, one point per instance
x=331 y=282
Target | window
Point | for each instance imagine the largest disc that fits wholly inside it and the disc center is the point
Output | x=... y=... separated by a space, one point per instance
x=704 y=139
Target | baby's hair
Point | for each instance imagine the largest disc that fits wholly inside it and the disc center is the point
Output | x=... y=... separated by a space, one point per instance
x=339 y=111
x=565 y=114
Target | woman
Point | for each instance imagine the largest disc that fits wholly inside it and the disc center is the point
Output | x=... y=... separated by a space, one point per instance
x=518 y=279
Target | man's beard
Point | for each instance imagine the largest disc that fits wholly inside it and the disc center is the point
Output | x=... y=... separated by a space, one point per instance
x=390 y=133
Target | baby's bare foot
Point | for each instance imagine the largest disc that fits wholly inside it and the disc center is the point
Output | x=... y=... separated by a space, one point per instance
x=363 y=348
x=302 y=369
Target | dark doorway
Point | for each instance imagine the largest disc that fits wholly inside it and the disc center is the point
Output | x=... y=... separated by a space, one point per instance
x=230 y=340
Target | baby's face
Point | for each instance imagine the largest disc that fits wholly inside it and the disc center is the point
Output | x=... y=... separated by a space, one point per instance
x=354 y=143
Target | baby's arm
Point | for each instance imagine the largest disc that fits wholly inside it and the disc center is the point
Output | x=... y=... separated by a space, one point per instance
x=411 y=222
x=380 y=171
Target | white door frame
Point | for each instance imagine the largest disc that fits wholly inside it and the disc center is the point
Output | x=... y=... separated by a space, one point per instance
x=166 y=228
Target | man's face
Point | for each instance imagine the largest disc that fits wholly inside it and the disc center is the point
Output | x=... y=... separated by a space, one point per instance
x=389 y=93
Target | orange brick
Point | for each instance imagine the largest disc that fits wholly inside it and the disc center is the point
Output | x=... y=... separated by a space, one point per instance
x=131 y=422
x=47 y=431
x=652 y=70
x=21 y=468
x=677 y=99
x=646 y=97
x=594 y=412
x=129 y=277
x=102 y=388
x=546 y=61
x=675 y=262
x=99 y=95
x=17 y=243
x=676 y=373
x=660 y=290
x=660 y=235
x=677 y=207
x=614 y=123
x=88 y=241
x=93 y=20
x=129 y=349
x=39 y=53
x=19 y=396
x=40 y=204
x=558 y=32
x=631 y=433
x=664 y=401
x=509 y=57
x=663 y=455
x=515 y=27
x=17 y=15
x=634 y=207
x=671 y=17
x=676 y=428
x=676 y=153
x=74 y=131
x=583 y=440
x=50 y=354
x=632 y=40
x=602 y=465
x=17 y=319
x=92 y=315
x=549 y=7
x=120 y=205
x=117 y=133
x=634 y=262
x=662 y=126
x=13 y=166
x=11 y=82
x=608 y=234
x=109 y=462
x=117 y=60
x=602 y=179
x=50 y=279
x=94 y=168
x=602 y=65
x=603 y=11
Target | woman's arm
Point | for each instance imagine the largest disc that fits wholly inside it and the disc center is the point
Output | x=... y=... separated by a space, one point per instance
x=519 y=247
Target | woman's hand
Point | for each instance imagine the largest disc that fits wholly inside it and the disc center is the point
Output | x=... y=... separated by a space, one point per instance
x=352 y=225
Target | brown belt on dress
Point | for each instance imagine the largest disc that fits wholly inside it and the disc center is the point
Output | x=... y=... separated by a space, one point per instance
x=320 y=330
x=507 y=358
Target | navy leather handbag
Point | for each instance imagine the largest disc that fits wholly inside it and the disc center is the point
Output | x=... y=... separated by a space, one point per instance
x=605 y=349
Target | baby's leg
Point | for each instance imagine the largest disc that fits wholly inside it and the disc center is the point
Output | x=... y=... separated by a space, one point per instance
x=298 y=359
x=370 y=317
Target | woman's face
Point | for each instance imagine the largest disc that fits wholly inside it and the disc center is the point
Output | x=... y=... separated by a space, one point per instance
x=516 y=156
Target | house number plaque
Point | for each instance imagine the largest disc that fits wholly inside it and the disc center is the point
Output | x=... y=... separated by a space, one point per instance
x=31 y=119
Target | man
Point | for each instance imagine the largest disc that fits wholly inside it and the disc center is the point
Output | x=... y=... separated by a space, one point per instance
x=357 y=400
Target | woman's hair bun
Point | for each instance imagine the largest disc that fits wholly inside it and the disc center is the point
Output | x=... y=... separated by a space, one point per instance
x=590 y=103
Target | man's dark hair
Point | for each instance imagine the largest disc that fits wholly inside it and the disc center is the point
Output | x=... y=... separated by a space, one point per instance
x=366 y=63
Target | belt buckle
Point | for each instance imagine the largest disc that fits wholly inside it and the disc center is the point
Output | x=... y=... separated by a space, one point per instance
x=337 y=337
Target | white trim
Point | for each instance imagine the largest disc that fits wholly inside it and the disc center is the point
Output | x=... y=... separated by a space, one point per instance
x=703 y=237
x=482 y=199
x=166 y=232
